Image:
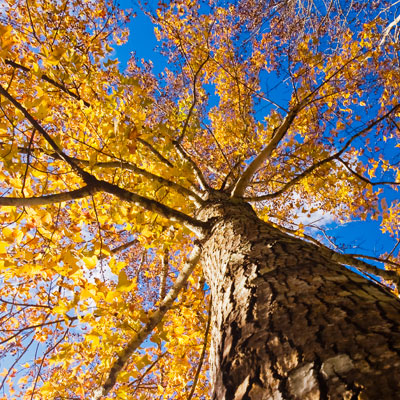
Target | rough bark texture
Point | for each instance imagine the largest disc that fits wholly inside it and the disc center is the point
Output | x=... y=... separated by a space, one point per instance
x=290 y=324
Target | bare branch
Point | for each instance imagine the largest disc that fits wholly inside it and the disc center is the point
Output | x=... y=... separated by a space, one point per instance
x=153 y=321
x=385 y=33
x=48 y=199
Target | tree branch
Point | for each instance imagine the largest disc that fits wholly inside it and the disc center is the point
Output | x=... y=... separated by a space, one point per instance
x=155 y=152
x=49 y=80
x=131 y=167
x=253 y=167
x=124 y=246
x=69 y=160
x=164 y=273
x=313 y=167
x=194 y=102
x=196 y=226
x=185 y=156
x=154 y=320
x=385 y=260
x=386 y=31
x=351 y=260
x=362 y=178
x=203 y=353
x=48 y=199
x=362 y=266
x=162 y=181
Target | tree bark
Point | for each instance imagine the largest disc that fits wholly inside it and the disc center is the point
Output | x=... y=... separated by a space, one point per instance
x=288 y=323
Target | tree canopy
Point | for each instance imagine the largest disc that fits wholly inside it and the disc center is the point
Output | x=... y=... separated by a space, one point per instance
x=292 y=106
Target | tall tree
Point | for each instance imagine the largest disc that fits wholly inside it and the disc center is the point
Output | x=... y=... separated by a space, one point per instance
x=145 y=215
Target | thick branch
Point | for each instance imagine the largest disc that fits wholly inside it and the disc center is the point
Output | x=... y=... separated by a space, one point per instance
x=352 y=259
x=164 y=182
x=48 y=199
x=362 y=266
x=154 y=320
x=253 y=167
x=197 y=227
x=381 y=260
x=95 y=185
x=131 y=167
x=256 y=164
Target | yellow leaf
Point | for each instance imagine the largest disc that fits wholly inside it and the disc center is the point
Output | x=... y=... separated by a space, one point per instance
x=56 y=55
x=94 y=339
x=60 y=309
x=90 y=262
x=124 y=284
x=111 y=296
x=179 y=330
x=3 y=247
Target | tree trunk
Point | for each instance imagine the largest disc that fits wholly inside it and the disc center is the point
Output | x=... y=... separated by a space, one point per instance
x=288 y=323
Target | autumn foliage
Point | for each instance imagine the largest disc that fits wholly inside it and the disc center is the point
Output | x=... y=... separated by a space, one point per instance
x=291 y=106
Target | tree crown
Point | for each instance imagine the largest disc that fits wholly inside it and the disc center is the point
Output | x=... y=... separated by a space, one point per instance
x=285 y=105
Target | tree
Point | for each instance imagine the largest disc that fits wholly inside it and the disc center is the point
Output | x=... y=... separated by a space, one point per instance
x=145 y=215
